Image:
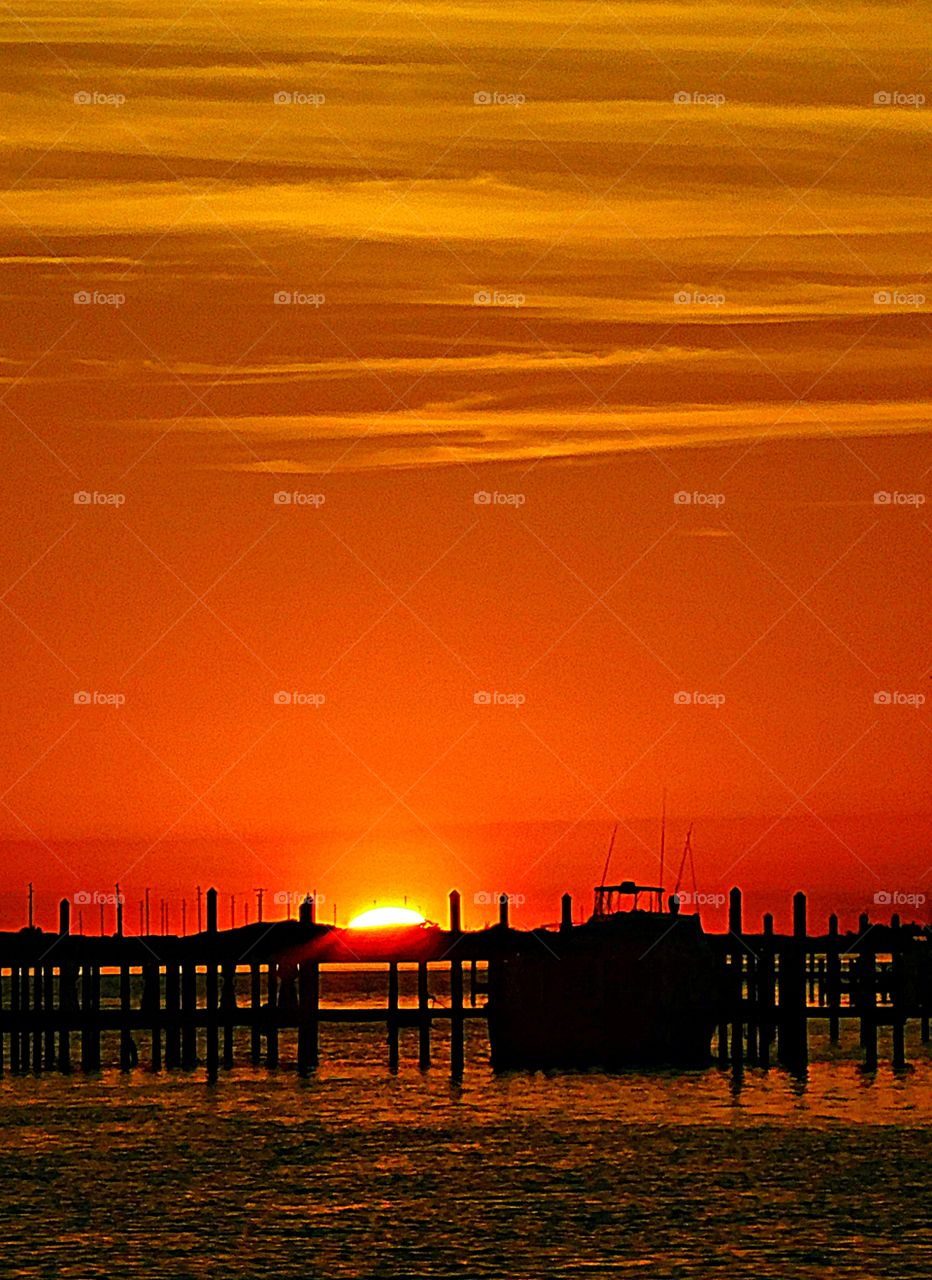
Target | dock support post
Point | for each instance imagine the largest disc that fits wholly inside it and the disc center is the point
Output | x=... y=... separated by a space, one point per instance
x=867 y=973
x=308 y=1007
x=736 y=976
x=172 y=1014
x=766 y=988
x=211 y=990
x=271 y=1034
x=228 y=1004
x=255 y=1002
x=393 y=1016
x=37 y=1019
x=456 y=993
x=423 y=1016
x=833 y=979
x=126 y=1040
x=48 y=981
x=188 y=1015
x=897 y=996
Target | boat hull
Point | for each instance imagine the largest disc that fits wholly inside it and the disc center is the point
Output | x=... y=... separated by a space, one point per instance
x=639 y=989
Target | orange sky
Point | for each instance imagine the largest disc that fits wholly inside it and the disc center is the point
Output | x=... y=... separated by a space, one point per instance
x=585 y=296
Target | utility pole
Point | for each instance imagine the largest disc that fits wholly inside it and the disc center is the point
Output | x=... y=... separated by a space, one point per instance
x=30 y=904
x=232 y=910
x=147 y=911
x=199 y=924
x=119 y=912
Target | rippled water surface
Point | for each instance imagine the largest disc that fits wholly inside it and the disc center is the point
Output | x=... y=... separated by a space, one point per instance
x=359 y=1173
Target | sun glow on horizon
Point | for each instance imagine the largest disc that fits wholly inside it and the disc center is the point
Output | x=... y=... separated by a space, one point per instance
x=381 y=917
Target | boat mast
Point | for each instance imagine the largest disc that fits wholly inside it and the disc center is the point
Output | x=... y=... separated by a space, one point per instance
x=663 y=840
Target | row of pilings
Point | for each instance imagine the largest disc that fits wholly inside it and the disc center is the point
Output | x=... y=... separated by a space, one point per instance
x=775 y=985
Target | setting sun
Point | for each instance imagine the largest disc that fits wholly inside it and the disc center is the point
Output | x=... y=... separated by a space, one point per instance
x=380 y=917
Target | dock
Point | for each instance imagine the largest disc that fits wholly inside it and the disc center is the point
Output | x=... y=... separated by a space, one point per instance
x=164 y=1002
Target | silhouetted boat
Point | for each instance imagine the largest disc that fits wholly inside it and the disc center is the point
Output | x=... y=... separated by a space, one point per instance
x=629 y=987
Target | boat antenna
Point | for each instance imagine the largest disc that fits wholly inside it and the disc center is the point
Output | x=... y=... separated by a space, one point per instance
x=687 y=852
x=608 y=856
x=663 y=841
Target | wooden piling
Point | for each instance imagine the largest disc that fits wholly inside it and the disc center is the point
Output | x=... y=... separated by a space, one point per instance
x=898 y=996
x=37 y=1019
x=309 y=1016
x=393 y=1016
x=271 y=1033
x=172 y=1014
x=188 y=1015
x=423 y=1016
x=867 y=1000
x=255 y=1005
x=833 y=979
x=126 y=1053
x=211 y=992
x=229 y=1006
x=766 y=993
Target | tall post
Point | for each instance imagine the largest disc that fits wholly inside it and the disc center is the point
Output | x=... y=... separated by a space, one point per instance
x=898 y=995
x=172 y=1014
x=766 y=990
x=211 y=989
x=736 y=975
x=126 y=1040
x=833 y=979
x=423 y=1016
x=188 y=1014
x=255 y=1003
x=228 y=1005
x=566 y=913
x=393 y=1016
x=503 y=910
x=271 y=1034
x=455 y=914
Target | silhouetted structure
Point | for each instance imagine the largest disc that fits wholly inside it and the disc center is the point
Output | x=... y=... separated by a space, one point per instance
x=185 y=994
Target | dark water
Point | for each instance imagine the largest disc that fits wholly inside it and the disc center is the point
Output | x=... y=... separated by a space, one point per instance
x=358 y=1173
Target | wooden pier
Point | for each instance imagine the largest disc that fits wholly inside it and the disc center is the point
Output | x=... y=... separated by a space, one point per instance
x=178 y=1002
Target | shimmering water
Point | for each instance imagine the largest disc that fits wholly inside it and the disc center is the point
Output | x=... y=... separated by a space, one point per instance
x=357 y=1173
